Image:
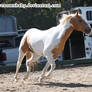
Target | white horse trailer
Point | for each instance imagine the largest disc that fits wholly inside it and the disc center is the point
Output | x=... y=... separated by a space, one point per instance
x=78 y=45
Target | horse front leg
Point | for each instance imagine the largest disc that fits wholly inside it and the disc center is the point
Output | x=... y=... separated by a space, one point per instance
x=43 y=71
x=51 y=62
x=51 y=70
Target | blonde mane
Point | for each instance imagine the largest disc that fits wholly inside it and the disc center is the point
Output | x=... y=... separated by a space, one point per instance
x=65 y=17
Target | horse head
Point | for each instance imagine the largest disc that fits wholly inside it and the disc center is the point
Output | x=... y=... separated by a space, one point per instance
x=79 y=23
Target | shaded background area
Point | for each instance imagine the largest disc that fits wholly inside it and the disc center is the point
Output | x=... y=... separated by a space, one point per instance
x=42 y=18
x=39 y=17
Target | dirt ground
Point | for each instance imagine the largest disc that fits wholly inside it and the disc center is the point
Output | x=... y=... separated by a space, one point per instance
x=78 y=79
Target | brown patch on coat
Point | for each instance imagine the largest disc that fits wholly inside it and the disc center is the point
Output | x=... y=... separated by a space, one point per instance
x=28 y=55
x=78 y=23
x=60 y=47
x=26 y=46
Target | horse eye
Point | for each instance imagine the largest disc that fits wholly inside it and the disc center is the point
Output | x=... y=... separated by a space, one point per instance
x=80 y=21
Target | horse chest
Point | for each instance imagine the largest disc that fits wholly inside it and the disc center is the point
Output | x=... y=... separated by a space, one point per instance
x=58 y=49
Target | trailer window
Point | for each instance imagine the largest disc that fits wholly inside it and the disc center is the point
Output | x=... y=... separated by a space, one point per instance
x=89 y=15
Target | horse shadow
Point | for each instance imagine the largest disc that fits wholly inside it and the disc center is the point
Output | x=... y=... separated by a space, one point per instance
x=69 y=85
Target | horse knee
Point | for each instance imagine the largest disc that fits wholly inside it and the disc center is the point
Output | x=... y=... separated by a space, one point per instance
x=28 y=63
x=53 y=65
x=50 y=59
x=18 y=63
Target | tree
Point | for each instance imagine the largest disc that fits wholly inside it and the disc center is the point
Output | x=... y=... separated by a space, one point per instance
x=40 y=17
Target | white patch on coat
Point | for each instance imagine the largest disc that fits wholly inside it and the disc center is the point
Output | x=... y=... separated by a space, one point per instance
x=46 y=40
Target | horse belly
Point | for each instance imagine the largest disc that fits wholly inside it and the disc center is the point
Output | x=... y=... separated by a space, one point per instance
x=37 y=44
x=37 y=47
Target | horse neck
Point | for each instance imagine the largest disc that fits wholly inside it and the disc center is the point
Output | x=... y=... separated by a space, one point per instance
x=67 y=32
x=64 y=35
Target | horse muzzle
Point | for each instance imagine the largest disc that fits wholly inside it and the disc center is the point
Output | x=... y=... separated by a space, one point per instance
x=87 y=30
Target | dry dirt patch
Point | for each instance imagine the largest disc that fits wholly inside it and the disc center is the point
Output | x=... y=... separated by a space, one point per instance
x=77 y=79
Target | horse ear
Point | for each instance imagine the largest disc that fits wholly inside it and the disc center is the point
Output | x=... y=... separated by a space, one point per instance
x=77 y=12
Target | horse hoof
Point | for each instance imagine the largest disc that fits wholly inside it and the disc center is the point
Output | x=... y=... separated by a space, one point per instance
x=15 y=80
x=40 y=79
x=25 y=78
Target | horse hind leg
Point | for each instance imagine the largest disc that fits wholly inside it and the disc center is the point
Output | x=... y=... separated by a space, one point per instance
x=20 y=58
x=30 y=60
x=29 y=57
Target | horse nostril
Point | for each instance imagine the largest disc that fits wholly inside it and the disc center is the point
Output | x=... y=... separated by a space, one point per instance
x=87 y=30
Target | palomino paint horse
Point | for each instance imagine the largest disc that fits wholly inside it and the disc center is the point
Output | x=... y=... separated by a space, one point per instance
x=49 y=43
